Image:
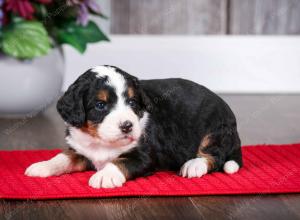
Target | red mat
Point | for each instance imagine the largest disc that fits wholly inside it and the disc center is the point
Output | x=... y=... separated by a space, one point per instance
x=267 y=169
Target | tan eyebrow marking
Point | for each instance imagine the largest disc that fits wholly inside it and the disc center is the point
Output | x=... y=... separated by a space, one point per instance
x=103 y=95
x=130 y=92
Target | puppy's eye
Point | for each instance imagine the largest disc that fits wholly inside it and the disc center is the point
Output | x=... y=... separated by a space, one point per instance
x=132 y=103
x=100 y=105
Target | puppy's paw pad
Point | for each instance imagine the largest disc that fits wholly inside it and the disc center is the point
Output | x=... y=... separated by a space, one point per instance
x=194 y=168
x=109 y=177
x=40 y=169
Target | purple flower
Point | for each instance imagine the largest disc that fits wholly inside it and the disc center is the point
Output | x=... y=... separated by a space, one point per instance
x=93 y=6
x=83 y=15
x=1 y=13
x=84 y=7
x=1 y=17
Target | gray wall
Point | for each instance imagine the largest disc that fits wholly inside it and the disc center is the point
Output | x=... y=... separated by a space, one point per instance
x=195 y=17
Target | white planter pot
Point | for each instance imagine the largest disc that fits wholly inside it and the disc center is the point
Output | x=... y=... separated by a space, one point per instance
x=28 y=87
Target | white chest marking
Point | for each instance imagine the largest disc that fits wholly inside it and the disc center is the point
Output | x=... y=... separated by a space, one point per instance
x=93 y=149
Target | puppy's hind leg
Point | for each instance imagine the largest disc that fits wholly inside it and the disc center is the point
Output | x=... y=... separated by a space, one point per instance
x=65 y=162
x=203 y=163
x=217 y=151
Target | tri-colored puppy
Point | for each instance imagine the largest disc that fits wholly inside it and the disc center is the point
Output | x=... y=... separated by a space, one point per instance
x=126 y=128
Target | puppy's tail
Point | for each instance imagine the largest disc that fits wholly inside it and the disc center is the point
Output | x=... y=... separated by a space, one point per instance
x=234 y=161
x=231 y=167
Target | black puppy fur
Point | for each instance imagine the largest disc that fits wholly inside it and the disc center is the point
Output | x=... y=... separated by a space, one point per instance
x=186 y=121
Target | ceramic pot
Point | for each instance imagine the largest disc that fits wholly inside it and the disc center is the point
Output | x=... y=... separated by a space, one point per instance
x=28 y=87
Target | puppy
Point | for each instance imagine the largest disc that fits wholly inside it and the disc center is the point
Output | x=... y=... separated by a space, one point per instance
x=125 y=128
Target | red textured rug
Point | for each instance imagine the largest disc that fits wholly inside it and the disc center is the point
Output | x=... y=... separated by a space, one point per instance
x=267 y=169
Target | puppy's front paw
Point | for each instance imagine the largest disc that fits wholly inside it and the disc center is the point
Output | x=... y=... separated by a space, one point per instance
x=41 y=169
x=194 y=168
x=109 y=177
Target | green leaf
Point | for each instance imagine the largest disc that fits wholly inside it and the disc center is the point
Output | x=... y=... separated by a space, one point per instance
x=92 y=33
x=66 y=37
x=79 y=36
x=25 y=40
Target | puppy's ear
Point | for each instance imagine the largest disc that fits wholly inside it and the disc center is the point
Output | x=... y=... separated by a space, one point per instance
x=70 y=106
x=147 y=104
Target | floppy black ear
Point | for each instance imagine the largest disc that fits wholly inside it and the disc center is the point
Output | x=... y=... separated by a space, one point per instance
x=70 y=105
x=147 y=104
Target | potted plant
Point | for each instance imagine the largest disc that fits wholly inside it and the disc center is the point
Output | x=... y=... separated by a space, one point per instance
x=31 y=59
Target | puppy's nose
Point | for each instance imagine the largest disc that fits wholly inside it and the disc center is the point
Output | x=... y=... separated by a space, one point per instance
x=126 y=127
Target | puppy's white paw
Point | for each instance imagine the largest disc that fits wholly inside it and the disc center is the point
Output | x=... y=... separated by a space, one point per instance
x=57 y=165
x=41 y=169
x=109 y=177
x=194 y=168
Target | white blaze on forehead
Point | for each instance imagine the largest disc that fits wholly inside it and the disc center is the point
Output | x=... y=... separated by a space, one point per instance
x=115 y=79
x=109 y=129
